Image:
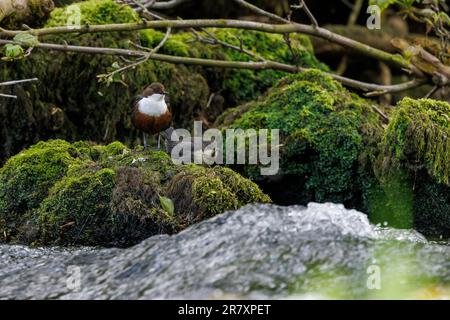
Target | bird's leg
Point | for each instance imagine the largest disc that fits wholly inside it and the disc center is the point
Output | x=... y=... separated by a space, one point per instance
x=159 y=141
x=145 y=140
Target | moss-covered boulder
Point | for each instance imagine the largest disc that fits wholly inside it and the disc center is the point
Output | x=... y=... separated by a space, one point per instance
x=57 y=193
x=68 y=102
x=328 y=139
x=418 y=135
x=414 y=168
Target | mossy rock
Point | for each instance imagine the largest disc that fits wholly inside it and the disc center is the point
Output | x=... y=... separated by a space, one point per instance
x=418 y=135
x=328 y=139
x=57 y=193
x=69 y=103
x=198 y=189
x=415 y=151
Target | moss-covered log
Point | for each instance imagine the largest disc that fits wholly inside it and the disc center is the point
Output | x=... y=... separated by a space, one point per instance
x=57 y=193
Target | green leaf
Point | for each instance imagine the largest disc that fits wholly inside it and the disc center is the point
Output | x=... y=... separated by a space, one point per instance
x=167 y=204
x=383 y=4
x=27 y=39
x=13 y=51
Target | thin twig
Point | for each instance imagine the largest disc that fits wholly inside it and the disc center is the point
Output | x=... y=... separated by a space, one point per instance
x=11 y=83
x=211 y=97
x=431 y=92
x=356 y=10
x=213 y=39
x=8 y=96
x=164 y=5
x=262 y=12
x=139 y=61
x=302 y=5
x=381 y=113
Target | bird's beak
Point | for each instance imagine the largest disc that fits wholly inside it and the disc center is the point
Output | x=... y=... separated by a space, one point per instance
x=165 y=93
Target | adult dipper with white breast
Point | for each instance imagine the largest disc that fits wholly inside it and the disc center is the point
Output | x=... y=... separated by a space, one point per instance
x=151 y=112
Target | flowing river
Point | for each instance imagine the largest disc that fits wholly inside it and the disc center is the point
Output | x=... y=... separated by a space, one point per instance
x=259 y=251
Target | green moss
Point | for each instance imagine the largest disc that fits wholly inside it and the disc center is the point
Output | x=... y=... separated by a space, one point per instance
x=326 y=136
x=57 y=193
x=418 y=134
x=416 y=147
x=392 y=201
x=26 y=177
x=245 y=190
x=201 y=192
x=76 y=210
x=93 y=12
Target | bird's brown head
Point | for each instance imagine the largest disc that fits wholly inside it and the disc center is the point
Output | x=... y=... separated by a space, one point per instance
x=153 y=88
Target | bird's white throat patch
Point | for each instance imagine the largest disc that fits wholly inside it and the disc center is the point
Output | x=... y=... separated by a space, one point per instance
x=154 y=105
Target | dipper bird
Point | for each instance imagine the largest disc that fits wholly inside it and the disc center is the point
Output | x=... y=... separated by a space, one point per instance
x=151 y=112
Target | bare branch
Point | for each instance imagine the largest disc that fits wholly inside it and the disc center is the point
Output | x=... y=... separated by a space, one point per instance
x=153 y=4
x=163 y=5
x=11 y=83
x=261 y=65
x=7 y=96
x=260 y=11
x=213 y=39
x=302 y=5
x=377 y=89
x=431 y=92
x=381 y=113
x=140 y=61
x=364 y=49
x=356 y=10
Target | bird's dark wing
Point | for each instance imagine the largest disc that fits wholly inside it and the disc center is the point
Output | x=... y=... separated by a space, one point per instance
x=136 y=99
x=167 y=99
